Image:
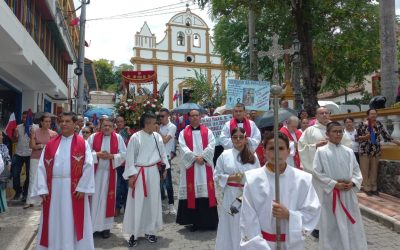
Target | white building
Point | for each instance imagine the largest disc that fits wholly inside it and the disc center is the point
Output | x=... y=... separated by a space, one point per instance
x=38 y=49
x=186 y=47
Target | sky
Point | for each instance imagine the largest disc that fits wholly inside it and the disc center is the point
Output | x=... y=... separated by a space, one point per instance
x=113 y=38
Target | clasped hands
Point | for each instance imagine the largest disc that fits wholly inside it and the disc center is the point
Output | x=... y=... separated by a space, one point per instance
x=344 y=185
x=199 y=160
x=104 y=155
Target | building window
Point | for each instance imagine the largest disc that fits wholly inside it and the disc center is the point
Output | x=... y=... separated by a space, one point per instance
x=196 y=41
x=180 y=39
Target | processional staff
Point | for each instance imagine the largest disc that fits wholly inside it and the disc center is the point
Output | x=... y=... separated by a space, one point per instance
x=275 y=53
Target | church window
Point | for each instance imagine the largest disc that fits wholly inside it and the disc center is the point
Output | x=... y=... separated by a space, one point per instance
x=196 y=40
x=180 y=39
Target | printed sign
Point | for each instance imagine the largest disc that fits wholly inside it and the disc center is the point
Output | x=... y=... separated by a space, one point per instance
x=215 y=123
x=253 y=94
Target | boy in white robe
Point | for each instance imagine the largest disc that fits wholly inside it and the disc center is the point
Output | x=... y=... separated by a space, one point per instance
x=337 y=174
x=60 y=220
x=108 y=149
x=228 y=173
x=297 y=211
x=146 y=151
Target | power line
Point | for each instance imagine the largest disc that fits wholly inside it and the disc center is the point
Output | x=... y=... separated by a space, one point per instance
x=143 y=13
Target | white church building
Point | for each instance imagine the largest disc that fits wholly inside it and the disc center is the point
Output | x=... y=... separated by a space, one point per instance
x=186 y=47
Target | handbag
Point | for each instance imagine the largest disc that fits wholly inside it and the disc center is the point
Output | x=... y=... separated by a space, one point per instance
x=161 y=166
x=4 y=178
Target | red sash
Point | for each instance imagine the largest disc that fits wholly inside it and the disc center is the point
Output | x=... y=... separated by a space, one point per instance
x=97 y=142
x=336 y=195
x=190 y=183
x=272 y=237
x=246 y=126
x=78 y=151
x=141 y=172
x=296 y=157
x=235 y=184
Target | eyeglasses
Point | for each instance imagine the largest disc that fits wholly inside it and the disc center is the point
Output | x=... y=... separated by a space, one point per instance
x=162 y=116
x=85 y=132
x=338 y=132
x=241 y=137
x=194 y=115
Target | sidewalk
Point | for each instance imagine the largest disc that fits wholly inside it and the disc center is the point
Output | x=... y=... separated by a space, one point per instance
x=384 y=209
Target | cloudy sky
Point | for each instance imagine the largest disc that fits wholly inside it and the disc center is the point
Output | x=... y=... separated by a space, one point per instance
x=112 y=25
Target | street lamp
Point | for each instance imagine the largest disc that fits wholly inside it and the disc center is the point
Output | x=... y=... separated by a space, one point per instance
x=296 y=74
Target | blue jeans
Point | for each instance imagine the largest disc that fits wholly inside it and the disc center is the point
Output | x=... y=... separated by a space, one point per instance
x=167 y=182
x=16 y=169
x=122 y=189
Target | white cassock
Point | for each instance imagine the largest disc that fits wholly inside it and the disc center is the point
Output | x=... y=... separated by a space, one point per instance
x=61 y=219
x=253 y=140
x=307 y=144
x=337 y=162
x=228 y=234
x=99 y=199
x=297 y=195
x=188 y=158
x=143 y=215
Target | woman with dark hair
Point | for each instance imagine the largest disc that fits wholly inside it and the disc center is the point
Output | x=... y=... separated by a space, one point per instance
x=39 y=138
x=228 y=173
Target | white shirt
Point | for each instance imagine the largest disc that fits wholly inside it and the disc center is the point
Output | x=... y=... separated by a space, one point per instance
x=352 y=136
x=169 y=129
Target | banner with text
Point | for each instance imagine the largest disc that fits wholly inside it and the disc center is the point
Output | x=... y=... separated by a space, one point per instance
x=253 y=94
x=215 y=123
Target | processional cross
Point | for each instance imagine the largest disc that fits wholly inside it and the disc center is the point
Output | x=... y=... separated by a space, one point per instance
x=274 y=53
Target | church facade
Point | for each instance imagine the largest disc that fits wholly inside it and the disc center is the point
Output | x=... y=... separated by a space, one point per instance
x=186 y=47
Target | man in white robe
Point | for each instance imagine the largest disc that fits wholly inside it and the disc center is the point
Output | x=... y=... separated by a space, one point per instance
x=311 y=139
x=68 y=160
x=337 y=174
x=239 y=120
x=108 y=149
x=146 y=151
x=297 y=211
x=197 y=202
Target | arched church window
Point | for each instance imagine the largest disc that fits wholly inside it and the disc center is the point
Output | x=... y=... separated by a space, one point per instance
x=180 y=39
x=196 y=40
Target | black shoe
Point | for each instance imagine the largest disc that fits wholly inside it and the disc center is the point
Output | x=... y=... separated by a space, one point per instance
x=105 y=234
x=16 y=197
x=375 y=193
x=132 y=242
x=369 y=193
x=193 y=228
x=315 y=233
x=23 y=198
x=151 y=238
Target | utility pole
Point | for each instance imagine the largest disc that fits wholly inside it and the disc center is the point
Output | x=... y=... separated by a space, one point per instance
x=252 y=44
x=79 y=71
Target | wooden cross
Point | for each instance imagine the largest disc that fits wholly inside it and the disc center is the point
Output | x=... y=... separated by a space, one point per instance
x=274 y=53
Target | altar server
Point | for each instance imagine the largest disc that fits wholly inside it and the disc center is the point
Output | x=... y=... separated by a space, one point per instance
x=230 y=168
x=297 y=211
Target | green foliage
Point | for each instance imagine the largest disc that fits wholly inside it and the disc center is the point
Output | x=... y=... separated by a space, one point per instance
x=108 y=75
x=366 y=97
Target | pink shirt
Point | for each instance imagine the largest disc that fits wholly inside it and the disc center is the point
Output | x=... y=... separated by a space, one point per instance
x=41 y=137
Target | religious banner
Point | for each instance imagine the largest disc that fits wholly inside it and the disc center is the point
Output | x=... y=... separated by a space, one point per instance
x=215 y=123
x=253 y=94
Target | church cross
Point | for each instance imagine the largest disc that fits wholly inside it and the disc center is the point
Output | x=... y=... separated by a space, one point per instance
x=274 y=53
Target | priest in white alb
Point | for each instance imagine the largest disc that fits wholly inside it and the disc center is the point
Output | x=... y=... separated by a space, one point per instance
x=146 y=160
x=197 y=206
x=239 y=120
x=337 y=174
x=298 y=210
x=64 y=180
x=108 y=149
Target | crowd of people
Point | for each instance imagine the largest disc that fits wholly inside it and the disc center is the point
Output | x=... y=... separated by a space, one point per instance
x=84 y=175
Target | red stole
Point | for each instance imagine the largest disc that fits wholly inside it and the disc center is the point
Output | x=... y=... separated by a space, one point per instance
x=78 y=151
x=246 y=126
x=190 y=183
x=97 y=142
x=297 y=132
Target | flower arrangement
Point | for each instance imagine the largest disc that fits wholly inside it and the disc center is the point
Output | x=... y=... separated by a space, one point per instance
x=132 y=108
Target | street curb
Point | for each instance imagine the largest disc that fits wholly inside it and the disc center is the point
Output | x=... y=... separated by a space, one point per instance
x=385 y=220
x=30 y=241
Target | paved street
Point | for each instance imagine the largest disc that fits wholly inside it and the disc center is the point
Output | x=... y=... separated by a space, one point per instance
x=17 y=226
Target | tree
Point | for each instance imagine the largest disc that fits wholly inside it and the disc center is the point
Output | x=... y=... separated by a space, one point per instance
x=339 y=39
x=104 y=72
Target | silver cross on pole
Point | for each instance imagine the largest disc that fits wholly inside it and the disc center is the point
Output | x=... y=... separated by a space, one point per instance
x=275 y=53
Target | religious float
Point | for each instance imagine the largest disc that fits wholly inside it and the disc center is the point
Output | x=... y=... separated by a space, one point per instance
x=137 y=97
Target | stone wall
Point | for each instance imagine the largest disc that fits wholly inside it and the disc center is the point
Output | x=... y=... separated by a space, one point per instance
x=389 y=177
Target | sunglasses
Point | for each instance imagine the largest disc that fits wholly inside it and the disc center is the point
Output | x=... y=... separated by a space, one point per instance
x=162 y=116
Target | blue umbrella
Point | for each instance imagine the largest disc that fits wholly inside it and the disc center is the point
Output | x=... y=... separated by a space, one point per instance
x=187 y=107
x=99 y=112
